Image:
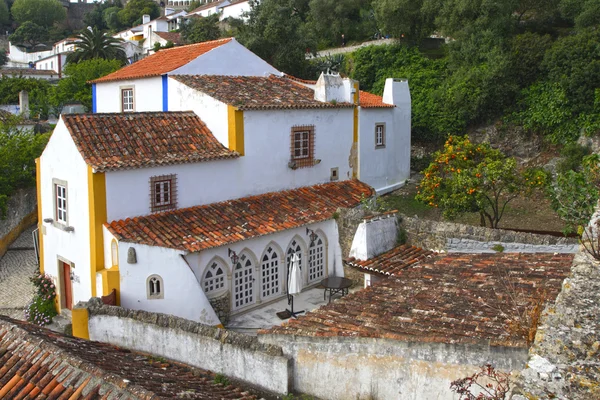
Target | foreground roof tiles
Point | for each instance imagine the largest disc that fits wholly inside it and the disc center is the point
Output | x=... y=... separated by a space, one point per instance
x=257 y=92
x=132 y=140
x=393 y=261
x=202 y=227
x=457 y=298
x=370 y=100
x=163 y=61
x=36 y=363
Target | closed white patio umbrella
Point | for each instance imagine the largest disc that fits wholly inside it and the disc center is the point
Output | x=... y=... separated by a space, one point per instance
x=294 y=283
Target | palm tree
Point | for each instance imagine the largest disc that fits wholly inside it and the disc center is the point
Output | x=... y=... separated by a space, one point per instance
x=93 y=43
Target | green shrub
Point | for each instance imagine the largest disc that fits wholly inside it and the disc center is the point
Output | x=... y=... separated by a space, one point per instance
x=41 y=310
x=572 y=156
x=221 y=379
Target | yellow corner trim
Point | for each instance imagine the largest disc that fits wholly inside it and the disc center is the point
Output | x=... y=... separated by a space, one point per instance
x=111 y=279
x=80 y=319
x=235 y=124
x=38 y=184
x=97 y=211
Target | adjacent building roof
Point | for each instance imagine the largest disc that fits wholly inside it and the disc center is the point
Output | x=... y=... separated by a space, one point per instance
x=38 y=363
x=257 y=92
x=27 y=71
x=163 y=61
x=370 y=100
x=393 y=261
x=207 y=6
x=172 y=36
x=133 y=140
x=457 y=298
x=203 y=227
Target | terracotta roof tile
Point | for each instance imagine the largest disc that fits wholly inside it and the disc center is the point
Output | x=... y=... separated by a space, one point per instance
x=393 y=261
x=38 y=363
x=27 y=71
x=455 y=298
x=133 y=140
x=202 y=227
x=172 y=36
x=163 y=61
x=256 y=93
x=370 y=100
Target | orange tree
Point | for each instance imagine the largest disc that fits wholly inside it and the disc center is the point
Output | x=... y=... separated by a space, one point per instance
x=468 y=177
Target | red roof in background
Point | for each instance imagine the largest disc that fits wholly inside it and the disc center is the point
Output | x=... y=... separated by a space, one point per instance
x=36 y=363
x=163 y=61
x=393 y=261
x=115 y=141
x=213 y=225
x=370 y=100
x=455 y=298
x=172 y=36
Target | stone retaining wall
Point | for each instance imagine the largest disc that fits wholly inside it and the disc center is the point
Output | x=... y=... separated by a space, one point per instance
x=454 y=237
x=236 y=355
x=21 y=214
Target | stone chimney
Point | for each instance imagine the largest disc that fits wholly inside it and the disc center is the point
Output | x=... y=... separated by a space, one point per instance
x=24 y=103
x=145 y=18
x=332 y=87
x=396 y=92
x=374 y=236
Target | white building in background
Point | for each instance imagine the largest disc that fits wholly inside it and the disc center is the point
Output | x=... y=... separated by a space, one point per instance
x=239 y=166
x=236 y=9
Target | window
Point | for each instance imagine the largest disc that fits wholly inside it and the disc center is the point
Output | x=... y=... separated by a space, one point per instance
x=127 y=100
x=60 y=201
x=114 y=253
x=270 y=276
x=316 y=260
x=380 y=135
x=302 y=147
x=214 y=278
x=163 y=194
x=243 y=282
x=155 y=288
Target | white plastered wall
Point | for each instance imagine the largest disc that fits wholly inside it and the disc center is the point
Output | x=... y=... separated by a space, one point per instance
x=280 y=241
x=61 y=160
x=236 y=10
x=147 y=95
x=182 y=294
x=228 y=59
x=263 y=168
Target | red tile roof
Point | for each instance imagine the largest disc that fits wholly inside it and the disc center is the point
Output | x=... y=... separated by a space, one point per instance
x=393 y=261
x=202 y=227
x=26 y=71
x=370 y=100
x=457 y=298
x=134 y=140
x=172 y=36
x=41 y=364
x=256 y=92
x=163 y=61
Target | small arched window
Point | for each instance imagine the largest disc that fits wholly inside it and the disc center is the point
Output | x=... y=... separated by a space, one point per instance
x=155 y=287
x=114 y=253
x=214 y=278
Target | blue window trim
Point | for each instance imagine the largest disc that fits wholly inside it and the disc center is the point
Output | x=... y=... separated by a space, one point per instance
x=94 y=100
x=165 y=92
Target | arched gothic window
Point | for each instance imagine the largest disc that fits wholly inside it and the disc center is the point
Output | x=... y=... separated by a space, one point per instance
x=243 y=282
x=270 y=274
x=316 y=260
x=214 y=278
x=155 y=287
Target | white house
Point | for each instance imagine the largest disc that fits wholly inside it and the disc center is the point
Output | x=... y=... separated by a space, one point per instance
x=215 y=7
x=236 y=9
x=152 y=205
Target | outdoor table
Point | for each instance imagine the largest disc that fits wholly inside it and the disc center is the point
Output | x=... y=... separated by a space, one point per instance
x=335 y=285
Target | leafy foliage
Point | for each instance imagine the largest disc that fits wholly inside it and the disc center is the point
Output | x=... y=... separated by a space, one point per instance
x=411 y=19
x=43 y=13
x=488 y=383
x=97 y=17
x=38 y=94
x=3 y=57
x=4 y=15
x=29 y=34
x=201 y=29
x=132 y=13
x=468 y=177
x=327 y=20
x=41 y=310
x=75 y=87
x=93 y=44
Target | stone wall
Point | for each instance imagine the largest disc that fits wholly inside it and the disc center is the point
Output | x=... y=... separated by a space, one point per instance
x=453 y=237
x=342 y=368
x=348 y=220
x=21 y=214
x=222 y=306
x=236 y=355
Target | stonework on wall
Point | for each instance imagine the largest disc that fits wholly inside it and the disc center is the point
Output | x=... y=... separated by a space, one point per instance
x=21 y=214
x=348 y=220
x=447 y=236
x=222 y=306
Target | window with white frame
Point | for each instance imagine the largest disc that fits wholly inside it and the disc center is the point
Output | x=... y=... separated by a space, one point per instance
x=60 y=202
x=214 y=278
x=163 y=194
x=316 y=259
x=154 y=287
x=380 y=135
x=270 y=274
x=127 y=100
x=293 y=248
x=243 y=282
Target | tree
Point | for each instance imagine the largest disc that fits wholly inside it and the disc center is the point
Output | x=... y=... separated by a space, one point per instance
x=3 y=57
x=96 y=17
x=201 y=29
x=40 y=12
x=4 y=15
x=131 y=14
x=329 y=19
x=37 y=89
x=467 y=177
x=75 y=87
x=29 y=35
x=96 y=44
x=405 y=18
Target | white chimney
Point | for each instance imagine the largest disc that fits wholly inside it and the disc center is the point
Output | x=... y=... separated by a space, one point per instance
x=332 y=87
x=374 y=236
x=145 y=18
x=396 y=92
x=24 y=103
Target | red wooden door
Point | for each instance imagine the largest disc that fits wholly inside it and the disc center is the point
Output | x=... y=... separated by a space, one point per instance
x=67 y=285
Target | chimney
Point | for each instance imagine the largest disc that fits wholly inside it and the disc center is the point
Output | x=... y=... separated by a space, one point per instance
x=24 y=103
x=332 y=87
x=396 y=92
x=374 y=236
x=145 y=18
